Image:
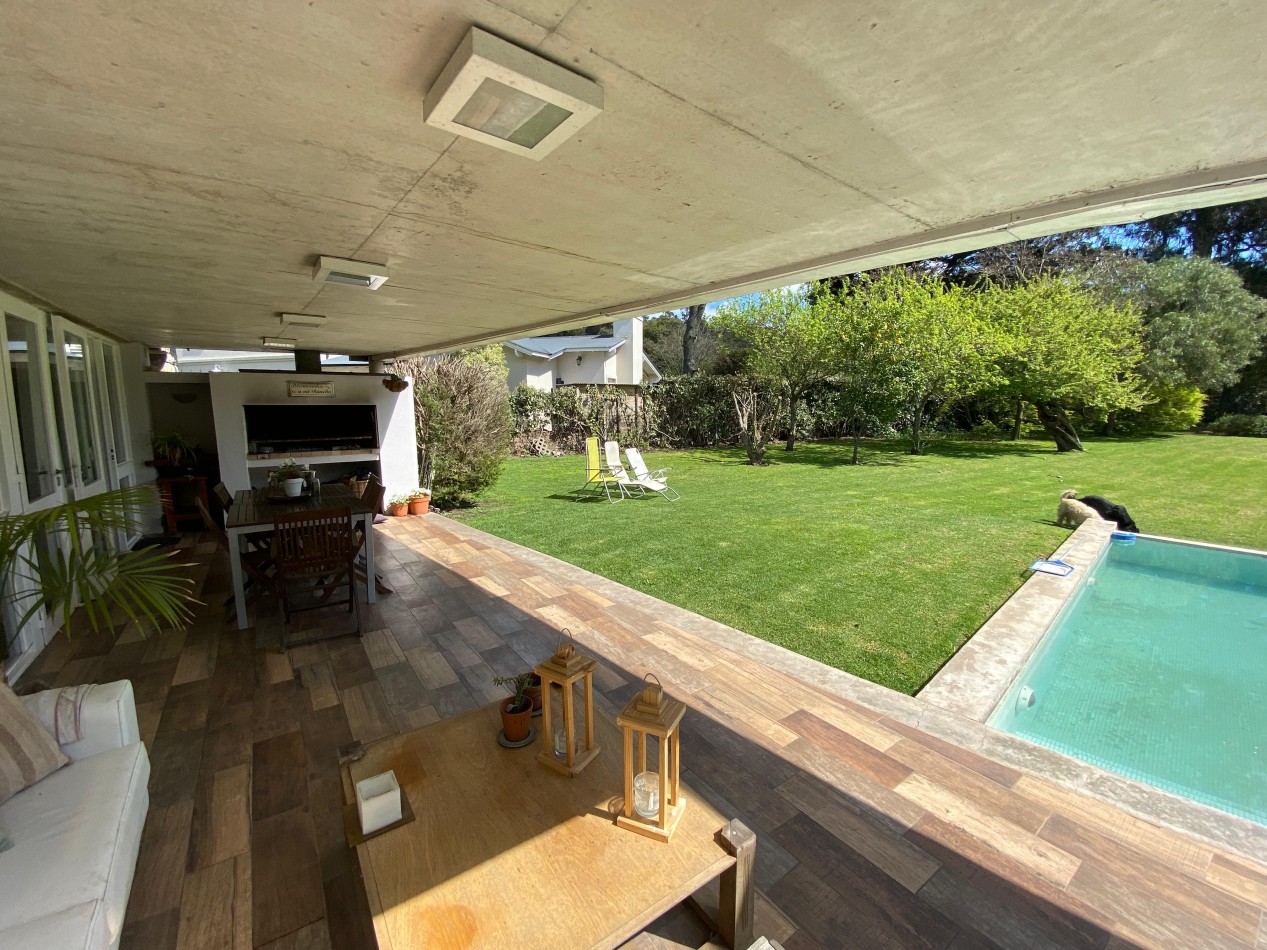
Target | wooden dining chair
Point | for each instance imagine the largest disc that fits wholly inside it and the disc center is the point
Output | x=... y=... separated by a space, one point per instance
x=257 y=564
x=315 y=553
x=373 y=497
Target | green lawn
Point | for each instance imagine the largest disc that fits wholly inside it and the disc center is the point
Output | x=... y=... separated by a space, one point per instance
x=882 y=569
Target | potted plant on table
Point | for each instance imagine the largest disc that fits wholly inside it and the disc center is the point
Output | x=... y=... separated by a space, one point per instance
x=517 y=710
x=174 y=454
x=290 y=475
x=419 y=501
x=398 y=506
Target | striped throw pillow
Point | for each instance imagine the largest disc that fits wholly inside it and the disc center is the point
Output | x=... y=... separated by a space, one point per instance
x=28 y=751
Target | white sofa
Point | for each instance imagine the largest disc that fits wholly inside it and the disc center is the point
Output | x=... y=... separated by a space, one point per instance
x=65 y=882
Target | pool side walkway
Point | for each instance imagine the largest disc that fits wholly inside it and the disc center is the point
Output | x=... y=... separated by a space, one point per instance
x=872 y=831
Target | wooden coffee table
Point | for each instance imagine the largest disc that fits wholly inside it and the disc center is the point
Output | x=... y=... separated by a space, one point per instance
x=506 y=853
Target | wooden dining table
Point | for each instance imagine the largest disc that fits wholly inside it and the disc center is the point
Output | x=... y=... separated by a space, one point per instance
x=254 y=510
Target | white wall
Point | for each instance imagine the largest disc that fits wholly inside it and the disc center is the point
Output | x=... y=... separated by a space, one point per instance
x=629 y=356
x=528 y=371
x=398 y=452
x=593 y=368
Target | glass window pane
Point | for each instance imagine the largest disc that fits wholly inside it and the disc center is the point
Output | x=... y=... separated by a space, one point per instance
x=497 y=109
x=76 y=351
x=115 y=405
x=23 y=341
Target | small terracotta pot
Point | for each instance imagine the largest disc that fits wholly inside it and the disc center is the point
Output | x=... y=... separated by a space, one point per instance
x=398 y=511
x=420 y=506
x=533 y=692
x=516 y=724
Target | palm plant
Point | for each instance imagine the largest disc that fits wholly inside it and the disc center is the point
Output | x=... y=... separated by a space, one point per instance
x=81 y=563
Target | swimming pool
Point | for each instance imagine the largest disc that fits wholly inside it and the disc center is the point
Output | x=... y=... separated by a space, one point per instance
x=1157 y=669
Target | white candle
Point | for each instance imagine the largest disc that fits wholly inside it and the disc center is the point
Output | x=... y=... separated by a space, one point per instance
x=647 y=794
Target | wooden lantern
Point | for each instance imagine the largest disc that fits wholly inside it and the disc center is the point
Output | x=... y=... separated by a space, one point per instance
x=651 y=713
x=564 y=669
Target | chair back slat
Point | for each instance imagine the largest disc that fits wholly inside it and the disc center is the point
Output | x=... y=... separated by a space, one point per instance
x=223 y=495
x=373 y=495
x=310 y=542
x=612 y=451
x=639 y=466
x=593 y=463
x=212 y=525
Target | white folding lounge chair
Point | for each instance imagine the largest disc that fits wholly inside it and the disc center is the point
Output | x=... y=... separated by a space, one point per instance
x=626 y=482
x=651 y=481
x=597 y=477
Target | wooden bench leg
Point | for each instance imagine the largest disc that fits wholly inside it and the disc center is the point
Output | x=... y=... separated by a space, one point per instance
x=737 y=899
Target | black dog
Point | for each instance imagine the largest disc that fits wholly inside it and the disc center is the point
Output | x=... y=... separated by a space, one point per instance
x=1111 y=512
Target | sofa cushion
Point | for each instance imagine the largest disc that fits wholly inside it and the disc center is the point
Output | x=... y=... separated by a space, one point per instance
x=75 y=928
x=28 y=752
x=75 y=839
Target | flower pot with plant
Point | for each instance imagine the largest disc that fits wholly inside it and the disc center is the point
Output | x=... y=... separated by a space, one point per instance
x=419 y=501
x=533 y=692
x=174 y=454
x=290 y=475
x=398 y=506
x=517 y=710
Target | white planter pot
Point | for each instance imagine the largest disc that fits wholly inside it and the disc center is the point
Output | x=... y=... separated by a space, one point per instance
x=378 y=801
x=294 y=487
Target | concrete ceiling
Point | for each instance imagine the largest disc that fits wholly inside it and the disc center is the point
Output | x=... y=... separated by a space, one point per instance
x=169 y=171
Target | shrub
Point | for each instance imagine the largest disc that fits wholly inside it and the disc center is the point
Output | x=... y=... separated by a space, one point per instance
x=1240 y=425
x=1173 y=409
x=463 y=423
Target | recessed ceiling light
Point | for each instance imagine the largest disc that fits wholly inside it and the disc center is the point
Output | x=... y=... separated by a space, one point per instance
x=499 y=94
x=338 y=270
x=279 y=343
x=310 y=320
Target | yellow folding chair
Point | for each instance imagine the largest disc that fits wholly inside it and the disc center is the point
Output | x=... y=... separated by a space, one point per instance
x=598 y=477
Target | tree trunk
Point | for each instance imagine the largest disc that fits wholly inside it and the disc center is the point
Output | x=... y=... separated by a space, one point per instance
x=791 y=424
x=1017 y=419
x=1204 y=231
x=917 y=421
x=690 y=338
x=857 y=434
x=1059 y=426
x=1110 y=423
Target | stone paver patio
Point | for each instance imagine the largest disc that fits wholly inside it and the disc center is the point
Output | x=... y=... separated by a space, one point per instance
x=872 y=831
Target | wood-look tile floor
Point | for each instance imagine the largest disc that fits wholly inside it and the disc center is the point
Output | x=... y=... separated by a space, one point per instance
x=871 y=833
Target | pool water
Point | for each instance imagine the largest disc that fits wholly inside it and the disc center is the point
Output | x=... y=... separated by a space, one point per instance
x=1157 y=670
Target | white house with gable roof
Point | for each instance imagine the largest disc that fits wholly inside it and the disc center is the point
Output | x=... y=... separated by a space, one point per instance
x=544 y=362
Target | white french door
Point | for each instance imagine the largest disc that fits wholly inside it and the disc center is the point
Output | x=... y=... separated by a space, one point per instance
x=113 y=422
x=77 y=409
x=34 y=476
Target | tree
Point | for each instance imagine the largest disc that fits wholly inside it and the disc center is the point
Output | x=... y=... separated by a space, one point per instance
x=1228 y=233
x=757 y=408
x=787 y=342
x=863 y=326
x=945 y=350
x=1201 y=327
x=663 y=344
x=1062 y=348
x=691 y=332
x=463 y=422
x=1018 y=261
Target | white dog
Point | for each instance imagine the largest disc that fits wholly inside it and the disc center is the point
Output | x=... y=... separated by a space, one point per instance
x=1072 y=512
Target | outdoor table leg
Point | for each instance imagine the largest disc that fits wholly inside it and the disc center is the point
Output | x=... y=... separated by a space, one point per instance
x=236 y=540
x=737 y=899
x=371 y=593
